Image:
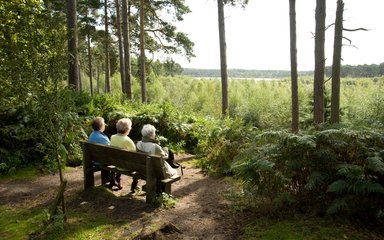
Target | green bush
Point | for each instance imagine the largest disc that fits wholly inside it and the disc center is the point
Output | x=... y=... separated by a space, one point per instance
x=333 y=171
x=223 y=141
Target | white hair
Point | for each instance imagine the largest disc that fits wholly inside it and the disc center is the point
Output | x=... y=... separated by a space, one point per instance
x=148 y=131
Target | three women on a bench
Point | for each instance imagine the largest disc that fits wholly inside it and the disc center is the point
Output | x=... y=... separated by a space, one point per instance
x=148 y=144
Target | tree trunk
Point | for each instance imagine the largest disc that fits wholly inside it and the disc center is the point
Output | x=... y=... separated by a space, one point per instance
x=98 y=80
x=90 y=63
x=223 y=58
x=294 y=81
x=127 y=55
x=107 y=79
x=337 y=45
x=142 y=54
x=80 y=83
x=119 y=39
x=73 y=70
x=89 y=57
x=318 y=91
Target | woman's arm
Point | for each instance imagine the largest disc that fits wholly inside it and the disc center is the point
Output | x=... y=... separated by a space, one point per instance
x=161 y=151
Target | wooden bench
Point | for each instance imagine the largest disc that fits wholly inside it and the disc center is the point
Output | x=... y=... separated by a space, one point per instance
x=97 y=157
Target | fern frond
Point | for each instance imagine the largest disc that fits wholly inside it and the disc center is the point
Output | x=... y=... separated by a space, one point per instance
x=350 y=171
x=269 y=137
x=365 y=187
x=337 y=206
x=338 y=186
x=315 y=179
x=375 y=164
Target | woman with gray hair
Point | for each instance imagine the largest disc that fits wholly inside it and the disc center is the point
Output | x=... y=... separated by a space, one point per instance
x=148 y=144
x=121 y=140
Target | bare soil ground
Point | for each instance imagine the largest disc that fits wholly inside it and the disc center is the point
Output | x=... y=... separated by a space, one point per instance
x=201 y=211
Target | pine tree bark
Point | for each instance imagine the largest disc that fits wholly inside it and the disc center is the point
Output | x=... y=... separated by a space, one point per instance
x=223 y=58
x=119 y=39
x=126 y=46
x=89 y=58
x=318 y=91
x=142 y=54
x=107 y=66
x=336 y=65
x=73 y=59
x=294 y=80
x=98 y=80
x=90 y=63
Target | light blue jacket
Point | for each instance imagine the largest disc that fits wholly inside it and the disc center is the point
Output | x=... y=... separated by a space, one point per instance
x=98 y=137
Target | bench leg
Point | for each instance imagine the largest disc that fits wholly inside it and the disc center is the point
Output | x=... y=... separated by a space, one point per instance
x=167 y=188
x=151 y=182
x=89 y=179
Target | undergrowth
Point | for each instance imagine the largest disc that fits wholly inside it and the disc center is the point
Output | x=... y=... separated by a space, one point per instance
x=337 y=172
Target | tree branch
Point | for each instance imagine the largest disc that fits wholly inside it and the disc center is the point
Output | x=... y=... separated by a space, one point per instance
x=349 y=40
x=356 y=29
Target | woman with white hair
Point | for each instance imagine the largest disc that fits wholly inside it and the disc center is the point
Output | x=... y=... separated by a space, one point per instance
x=148 y=144
x=121 y=140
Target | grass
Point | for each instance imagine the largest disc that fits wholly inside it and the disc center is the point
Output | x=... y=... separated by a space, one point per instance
x=82 y=225
x=88 y=221
x=28 y=173
x=18 y=223
x=305 y=227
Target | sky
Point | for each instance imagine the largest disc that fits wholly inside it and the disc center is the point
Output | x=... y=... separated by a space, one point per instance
x=258 y=36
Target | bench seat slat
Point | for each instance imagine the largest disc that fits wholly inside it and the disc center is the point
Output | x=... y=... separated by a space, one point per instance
x=172 y=179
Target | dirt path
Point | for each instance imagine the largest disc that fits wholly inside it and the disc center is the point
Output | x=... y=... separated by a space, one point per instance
x=201 y=212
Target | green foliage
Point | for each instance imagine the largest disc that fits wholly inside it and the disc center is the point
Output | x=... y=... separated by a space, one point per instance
x=263 y=104
x=47 y=127
x=163 y=36
x=33 y=64
x=165 y=200
x=225 y=139
x=58 y=132
x=341 y=170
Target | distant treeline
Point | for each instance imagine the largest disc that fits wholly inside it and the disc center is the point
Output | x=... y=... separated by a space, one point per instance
x=373 y=70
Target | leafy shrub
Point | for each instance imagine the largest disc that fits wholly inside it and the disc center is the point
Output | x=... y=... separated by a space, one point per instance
x=165 y=200
x=44 y=127
x=222 y=144
x=338 y=171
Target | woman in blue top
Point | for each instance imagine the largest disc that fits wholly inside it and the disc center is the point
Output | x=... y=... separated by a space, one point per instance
x=97 y=136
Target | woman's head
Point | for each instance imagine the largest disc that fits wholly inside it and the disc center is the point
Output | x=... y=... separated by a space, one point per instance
x=124 y=125
x=148 y=131
x=98 y=124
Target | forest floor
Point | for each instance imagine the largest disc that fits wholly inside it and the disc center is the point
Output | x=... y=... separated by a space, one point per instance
x=201 y=210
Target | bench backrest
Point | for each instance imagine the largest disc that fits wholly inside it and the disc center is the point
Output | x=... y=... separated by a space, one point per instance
x=127 y=160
